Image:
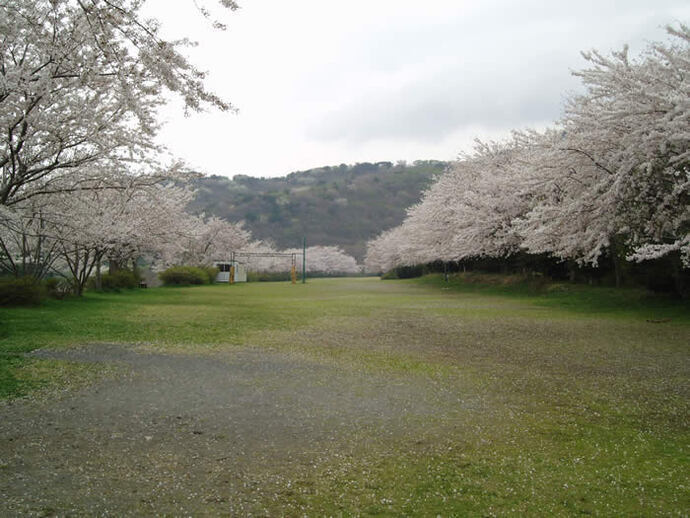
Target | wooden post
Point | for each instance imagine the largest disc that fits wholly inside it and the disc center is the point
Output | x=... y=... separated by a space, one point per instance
x=304 y=260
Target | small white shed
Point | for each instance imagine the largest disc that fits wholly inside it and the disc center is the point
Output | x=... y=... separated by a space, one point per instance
x=239 y=271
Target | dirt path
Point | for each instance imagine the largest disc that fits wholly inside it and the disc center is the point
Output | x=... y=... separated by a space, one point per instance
x=183 y=434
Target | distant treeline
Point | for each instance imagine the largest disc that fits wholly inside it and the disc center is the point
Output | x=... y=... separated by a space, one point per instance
x=344 y=205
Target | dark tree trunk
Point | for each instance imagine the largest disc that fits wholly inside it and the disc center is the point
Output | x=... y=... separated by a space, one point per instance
x=679 y=280
x=617 y=269
x=114 y=266
x=618 y=259
x=99 y=284
x=571 y=271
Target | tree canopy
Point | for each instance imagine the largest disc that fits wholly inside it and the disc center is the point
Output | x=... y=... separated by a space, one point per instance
x=612 y=177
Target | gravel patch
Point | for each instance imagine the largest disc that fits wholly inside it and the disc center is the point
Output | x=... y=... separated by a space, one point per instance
x=185 y=434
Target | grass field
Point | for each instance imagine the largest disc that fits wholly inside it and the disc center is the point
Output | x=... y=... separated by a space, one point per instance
x=557 y=400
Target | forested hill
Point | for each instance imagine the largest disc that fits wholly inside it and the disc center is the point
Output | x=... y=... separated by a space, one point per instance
x=343 y=205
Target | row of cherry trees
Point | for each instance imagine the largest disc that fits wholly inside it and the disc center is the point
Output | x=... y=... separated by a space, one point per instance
x=329 y=260
x=75 y=232
x=610 y=179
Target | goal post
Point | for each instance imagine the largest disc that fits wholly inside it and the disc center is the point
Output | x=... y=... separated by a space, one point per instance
x=245 y=258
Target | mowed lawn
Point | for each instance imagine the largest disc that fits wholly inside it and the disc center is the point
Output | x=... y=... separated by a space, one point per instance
x=571 y=401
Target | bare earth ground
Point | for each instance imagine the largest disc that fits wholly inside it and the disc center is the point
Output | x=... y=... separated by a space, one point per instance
x=183 y=434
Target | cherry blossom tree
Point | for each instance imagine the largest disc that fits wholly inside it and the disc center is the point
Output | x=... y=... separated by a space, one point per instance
x=207 y=240
x=329 y=260
x=116 y=225
x=25 y=249
x=468 y=212
x=74 y=231
x=383 y=252
x=615 y=175
x=611 y=178
x=80 y=85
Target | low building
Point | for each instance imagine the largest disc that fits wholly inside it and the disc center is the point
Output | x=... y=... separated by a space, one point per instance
x=226 y=268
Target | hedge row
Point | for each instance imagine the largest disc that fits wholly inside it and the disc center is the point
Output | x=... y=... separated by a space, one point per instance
x=116 y=281
x=24 y=291
x=186 y=275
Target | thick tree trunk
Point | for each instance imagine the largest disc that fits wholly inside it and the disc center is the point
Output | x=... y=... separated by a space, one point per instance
x=571 y=271
x=99 y=284
x=114 y=266
x=616 y=268
x=679 y=280
x=24 y=252
x=618 y=258
x=78 y=290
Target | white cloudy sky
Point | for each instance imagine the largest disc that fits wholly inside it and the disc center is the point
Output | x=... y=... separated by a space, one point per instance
x=319 y=82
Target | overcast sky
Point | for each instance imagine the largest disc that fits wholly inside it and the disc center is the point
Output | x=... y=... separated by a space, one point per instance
x=319 y=82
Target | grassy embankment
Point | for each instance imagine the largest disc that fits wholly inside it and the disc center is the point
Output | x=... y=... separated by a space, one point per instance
x=581 y=394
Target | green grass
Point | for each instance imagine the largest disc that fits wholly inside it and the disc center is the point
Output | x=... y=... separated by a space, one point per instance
x=576 y=298
x=584 y=391
x=204 y=318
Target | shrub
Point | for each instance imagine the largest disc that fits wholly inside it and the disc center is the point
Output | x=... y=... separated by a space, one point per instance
x=184 y=275
x=409 y=272
x=24 y=291
x=116 y=281
x=404 y=272
x=58 y=288
x=121 y=279
x=268 y=276
x=211 y=272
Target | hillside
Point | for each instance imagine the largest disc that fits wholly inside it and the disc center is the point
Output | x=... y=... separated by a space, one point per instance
x=344 y=205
